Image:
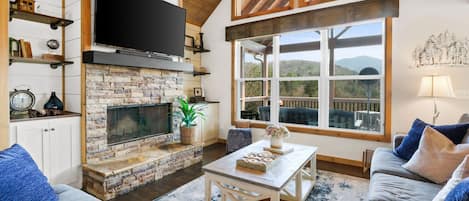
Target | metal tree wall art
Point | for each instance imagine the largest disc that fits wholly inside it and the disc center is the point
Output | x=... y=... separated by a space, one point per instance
x=443 y=49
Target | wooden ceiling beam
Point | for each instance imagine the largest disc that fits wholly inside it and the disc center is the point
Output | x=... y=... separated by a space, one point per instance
x=279 y=4
x=340 y=14
x=264 y=6
x=249 y=7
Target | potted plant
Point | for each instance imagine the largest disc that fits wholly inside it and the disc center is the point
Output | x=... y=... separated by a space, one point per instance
x=189 y=114
x=277 y=133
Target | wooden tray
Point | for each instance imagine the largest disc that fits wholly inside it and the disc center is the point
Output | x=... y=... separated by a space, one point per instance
x=257 y=161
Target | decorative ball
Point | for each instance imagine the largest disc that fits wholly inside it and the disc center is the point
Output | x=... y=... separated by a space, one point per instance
x=53 y=44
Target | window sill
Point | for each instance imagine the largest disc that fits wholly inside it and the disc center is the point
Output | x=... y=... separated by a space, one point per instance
x=326 y=132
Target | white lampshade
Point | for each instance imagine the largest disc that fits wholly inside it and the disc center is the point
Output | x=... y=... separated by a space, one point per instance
x=436 y=86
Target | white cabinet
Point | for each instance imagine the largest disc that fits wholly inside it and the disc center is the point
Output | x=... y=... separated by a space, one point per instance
x=210 y=127
x=54 y=144
x=207 y=130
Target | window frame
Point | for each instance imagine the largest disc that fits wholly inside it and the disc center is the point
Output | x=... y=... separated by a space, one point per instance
x=386 y=95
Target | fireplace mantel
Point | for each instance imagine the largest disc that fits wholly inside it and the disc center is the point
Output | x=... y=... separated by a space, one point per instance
x=117 y=59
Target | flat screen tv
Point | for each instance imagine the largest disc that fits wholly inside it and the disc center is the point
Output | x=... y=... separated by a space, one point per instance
x=144 y=25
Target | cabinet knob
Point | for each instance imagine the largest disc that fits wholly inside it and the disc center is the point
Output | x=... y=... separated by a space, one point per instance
x=46 y=130
x=52 y=129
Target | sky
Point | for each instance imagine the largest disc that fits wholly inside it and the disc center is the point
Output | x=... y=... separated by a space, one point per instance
x=368 y=29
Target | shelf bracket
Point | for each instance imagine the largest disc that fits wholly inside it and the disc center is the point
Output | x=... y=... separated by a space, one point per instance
x=55 y=66
x=54 y=25
x=11 y=15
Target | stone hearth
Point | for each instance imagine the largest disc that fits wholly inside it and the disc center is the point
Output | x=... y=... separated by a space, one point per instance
x=118 y=176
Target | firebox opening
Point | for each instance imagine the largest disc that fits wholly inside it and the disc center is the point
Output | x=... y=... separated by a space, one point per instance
x=134 y=122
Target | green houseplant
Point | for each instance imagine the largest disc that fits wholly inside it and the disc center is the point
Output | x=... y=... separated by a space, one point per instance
x=189 y=114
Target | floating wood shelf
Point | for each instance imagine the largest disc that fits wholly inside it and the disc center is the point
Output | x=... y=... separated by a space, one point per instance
x=196 y=50
x=54 y=22
x=53 y=63
x=198 y=73
x=107 y=58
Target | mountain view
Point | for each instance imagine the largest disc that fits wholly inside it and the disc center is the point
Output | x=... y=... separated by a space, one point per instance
x=358 y=63
x=303 y=68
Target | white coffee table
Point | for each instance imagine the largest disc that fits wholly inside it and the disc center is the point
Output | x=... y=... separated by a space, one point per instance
x=244 y=184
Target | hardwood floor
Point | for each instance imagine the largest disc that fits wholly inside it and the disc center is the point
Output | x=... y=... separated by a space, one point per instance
x=211 y=153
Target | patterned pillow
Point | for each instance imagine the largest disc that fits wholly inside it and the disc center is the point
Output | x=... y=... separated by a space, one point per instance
x=461 y=172
x=410 y=143
x=21 y=179
x=437 y=157
x=460 y=192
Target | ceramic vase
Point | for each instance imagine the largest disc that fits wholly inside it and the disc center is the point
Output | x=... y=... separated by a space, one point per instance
x=276 y=142
x=54 y=106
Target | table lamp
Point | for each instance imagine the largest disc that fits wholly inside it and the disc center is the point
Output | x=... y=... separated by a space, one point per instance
x=436 y=86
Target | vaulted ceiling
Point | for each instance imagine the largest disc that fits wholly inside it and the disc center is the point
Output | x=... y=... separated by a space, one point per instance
x=254 y=6
x=198 y=11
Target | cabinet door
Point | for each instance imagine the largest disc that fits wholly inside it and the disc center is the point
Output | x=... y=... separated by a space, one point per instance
x=31 y=136
x=211 y=124
x=63 y=152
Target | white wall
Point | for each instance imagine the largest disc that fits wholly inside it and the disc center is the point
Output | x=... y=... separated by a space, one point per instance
x=418 y=20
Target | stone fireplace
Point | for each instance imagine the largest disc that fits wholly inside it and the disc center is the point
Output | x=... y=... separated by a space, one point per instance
x=109 y=87
x=131 y=137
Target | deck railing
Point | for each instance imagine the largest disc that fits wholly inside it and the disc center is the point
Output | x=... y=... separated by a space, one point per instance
x=346 y=104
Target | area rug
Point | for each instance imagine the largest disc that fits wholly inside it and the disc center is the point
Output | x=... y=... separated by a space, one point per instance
x=329 y=187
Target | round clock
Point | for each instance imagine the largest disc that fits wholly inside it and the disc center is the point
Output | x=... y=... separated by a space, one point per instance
x=21 y=100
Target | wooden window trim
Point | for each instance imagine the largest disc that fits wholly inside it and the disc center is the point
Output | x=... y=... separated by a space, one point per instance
x=4 y=67
x=234 y=17
x=329 y=132
x=303 y=3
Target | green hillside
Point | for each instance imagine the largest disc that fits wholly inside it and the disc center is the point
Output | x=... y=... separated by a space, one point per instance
x=303 y=68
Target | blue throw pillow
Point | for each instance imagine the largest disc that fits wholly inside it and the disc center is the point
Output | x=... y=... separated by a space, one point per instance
x=410 y=144
x=21 y=179
x=460 y=192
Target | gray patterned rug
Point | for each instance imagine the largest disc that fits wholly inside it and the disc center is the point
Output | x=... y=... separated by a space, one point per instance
x=329 y=187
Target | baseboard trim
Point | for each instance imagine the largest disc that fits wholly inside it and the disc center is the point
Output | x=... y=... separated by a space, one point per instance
x=338 y=160
x=220 y=140
x=331 y=159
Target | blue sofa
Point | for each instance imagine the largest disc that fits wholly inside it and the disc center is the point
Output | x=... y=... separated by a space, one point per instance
x=68 y=193
x=21 y=180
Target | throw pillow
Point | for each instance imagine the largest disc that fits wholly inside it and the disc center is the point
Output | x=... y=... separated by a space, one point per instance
x=21 y=179
x=437 y=157
x=461 y=172
x=460 y=192
x=410 y=143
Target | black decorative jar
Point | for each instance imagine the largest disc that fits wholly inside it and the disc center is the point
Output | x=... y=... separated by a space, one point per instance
x=54 y=106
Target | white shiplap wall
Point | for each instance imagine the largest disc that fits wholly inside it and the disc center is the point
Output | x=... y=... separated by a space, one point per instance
x=73 y=53
x=40 y=78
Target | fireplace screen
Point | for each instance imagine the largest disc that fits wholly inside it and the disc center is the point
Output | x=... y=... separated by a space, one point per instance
x=128 y=123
